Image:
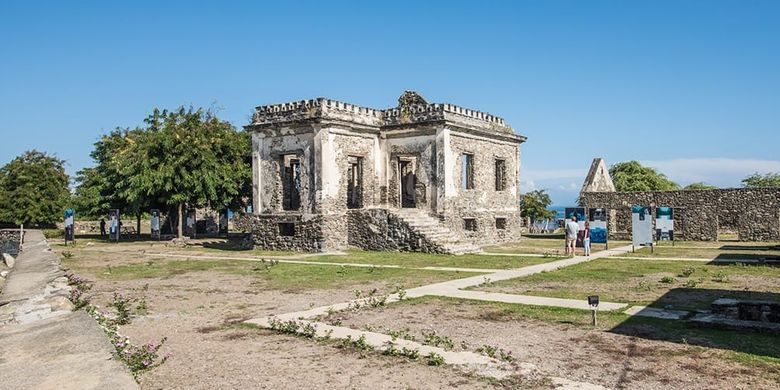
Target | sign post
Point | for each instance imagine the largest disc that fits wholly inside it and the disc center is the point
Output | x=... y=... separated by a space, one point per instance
x=593 y=302
x=664 y=224
x=641 y=227
x=69 y=226
x=114 y=226
x=155 y=224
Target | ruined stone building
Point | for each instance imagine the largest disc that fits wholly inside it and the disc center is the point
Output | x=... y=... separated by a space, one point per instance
x=418 y=177
x=700 y=215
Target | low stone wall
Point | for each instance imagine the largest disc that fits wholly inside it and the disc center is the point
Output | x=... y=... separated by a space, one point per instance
x=381 y=230
x=754 y=213
x=268 y=231
x=10 y=241
x=763 y=311
x=488 y=232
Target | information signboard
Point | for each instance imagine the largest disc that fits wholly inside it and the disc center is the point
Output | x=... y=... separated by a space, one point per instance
x=69 y=225
x=598 y=225
x=641 y=226
x=664 y=224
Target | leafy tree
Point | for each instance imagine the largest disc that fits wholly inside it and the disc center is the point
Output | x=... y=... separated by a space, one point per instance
x=533 y=205
x=182 y=158
x=33 y=189
x=758 y=180
x=699 y=186
x=88 y=200
x=633 y=176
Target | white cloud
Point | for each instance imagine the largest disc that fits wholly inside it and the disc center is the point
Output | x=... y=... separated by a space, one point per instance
x=550 y=174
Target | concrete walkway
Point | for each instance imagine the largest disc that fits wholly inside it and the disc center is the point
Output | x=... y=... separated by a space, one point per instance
x=467 y=361
x=44 y=344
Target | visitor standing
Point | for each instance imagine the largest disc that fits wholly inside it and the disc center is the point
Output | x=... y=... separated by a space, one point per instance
x=586 y=239
x=572 y=228
x=102 y=228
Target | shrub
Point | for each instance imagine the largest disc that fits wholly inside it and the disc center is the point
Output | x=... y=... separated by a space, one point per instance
x=122 y=306
x=668 y=280
x=687 y=272
x=434 y=359
x=720 y=277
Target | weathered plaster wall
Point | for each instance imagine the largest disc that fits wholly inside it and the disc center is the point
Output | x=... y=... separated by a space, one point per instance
x=267 y=167
x=753 y=213
x=265 y=231
x=423 y=149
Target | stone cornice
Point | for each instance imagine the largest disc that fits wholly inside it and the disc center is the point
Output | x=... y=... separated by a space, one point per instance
x=322 y=110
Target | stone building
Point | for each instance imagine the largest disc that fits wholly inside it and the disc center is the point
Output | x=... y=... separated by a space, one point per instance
x=418 y=177
x=753 y=213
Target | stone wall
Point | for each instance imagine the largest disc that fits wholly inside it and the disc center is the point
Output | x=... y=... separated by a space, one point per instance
x=754 y=213
x=266 y=231
x=381 y=230
x=10 y=241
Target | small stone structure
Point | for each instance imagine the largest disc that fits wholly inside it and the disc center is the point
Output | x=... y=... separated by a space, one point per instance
x=321 y=167
x=754 y=213
x=10 y=241
x=737 y=314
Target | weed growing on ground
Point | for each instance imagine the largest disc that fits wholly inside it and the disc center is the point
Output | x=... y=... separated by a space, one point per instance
x=122 y=306
x=488 y=350
x=496 y=353
x=142 y=307
x=434 y=359
x=360 y=343
x=401 y=291
x=79 y=286
x=433 y=339
x=391 y=350
x=686 y=272
x=720 y=277
x=401 y=334
x=67 y=255
x=668 y=280
x=644 y=286
x=691 y=283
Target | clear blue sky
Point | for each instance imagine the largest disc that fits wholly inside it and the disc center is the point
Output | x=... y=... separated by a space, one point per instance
x=691 y=87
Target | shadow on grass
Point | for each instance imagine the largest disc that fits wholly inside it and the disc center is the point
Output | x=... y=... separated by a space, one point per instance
x=746 y=258
x=750 y=247
x=760 y=345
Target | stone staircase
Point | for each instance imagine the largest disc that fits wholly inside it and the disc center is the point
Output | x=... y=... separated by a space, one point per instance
x=434 y=231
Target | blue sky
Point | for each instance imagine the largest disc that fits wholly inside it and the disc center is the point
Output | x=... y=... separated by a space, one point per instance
x=690 y=87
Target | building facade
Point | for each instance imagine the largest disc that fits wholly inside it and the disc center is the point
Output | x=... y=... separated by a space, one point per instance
x=417 y=177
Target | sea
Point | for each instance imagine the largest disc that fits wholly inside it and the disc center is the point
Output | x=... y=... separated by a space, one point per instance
x=559 y=211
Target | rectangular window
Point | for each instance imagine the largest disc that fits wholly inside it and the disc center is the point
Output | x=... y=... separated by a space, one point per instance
x=501 y=223
x=355 y=183
x=470 y=224
x=291 y=182
x=500 y=175
x=467 y=171
x=287 y=229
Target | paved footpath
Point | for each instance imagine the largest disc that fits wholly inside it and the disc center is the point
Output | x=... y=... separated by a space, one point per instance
x=44 y=344
x=466 y=361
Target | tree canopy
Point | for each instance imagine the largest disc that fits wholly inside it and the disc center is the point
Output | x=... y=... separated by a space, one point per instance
x=699 y=186
x=33 y=189
x=633 y=176
x=185 y=157
x=534 y=205
x=757 y=180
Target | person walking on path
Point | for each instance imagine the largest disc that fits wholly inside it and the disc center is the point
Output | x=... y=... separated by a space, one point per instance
x=102 y=228
x=572 y=228
x=586 y=239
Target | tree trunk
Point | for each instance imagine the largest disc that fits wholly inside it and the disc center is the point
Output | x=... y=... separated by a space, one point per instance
x=138 y=224
x=179 y=229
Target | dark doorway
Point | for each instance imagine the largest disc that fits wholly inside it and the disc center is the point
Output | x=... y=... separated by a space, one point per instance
x=408 y=183
x=291 y=179
x=355 y=184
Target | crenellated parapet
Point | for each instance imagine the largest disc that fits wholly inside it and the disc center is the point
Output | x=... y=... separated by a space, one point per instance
x=412 y=109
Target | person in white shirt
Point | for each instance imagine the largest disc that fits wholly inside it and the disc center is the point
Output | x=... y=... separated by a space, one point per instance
x=572 y=228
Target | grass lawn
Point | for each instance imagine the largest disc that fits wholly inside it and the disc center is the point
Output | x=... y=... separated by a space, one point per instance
x=279 y=276
x=744 y=347
x=410 y=259
x=656 y=283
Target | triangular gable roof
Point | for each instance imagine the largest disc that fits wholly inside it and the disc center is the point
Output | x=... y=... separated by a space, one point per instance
x=598 y=179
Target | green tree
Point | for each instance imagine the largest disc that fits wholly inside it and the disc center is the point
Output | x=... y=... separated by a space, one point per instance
x=87 y=200
x=533 y=205
x=185 y=157
x=633 y=176
x=33 y=189
x=699 y=186
x=757 y=180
